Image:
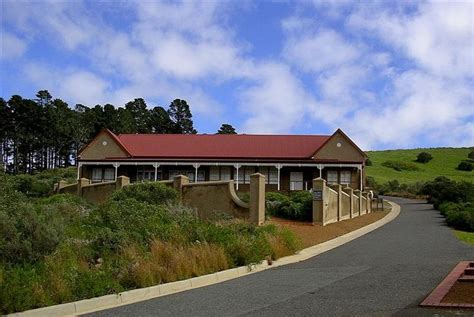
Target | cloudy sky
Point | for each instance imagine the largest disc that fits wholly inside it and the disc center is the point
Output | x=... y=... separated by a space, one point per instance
x=389 y=75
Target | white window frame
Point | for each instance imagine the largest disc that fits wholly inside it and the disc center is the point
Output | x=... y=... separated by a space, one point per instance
x=345 y=177
x=332 y=177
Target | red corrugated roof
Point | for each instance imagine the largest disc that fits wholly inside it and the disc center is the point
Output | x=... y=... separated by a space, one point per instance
x=225 y=146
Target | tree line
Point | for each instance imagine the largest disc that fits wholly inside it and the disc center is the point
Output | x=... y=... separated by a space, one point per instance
x=44 y=133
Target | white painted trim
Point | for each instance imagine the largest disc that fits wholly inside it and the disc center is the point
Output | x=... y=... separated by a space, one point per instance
x=223 y=164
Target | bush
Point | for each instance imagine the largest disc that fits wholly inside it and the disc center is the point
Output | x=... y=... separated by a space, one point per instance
x=424 y=157
x=400 y=166
x=461 y=220
x=368 y=162
x=442 y=189
x=148 y=192
x=471 y=155
x=465 y=166
x=296 y=205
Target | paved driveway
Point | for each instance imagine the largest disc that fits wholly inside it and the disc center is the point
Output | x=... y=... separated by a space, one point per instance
x=386 y=272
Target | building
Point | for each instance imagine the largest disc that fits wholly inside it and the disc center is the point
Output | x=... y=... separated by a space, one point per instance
x=289 y=162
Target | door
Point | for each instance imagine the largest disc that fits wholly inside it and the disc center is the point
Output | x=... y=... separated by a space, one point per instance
x=296 y=180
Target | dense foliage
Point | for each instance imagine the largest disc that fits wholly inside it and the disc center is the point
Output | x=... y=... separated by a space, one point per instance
x=455 y=200
x=59 y=248
x=400 y=166
x=465 y=166
x=44 y=133
x=424 y=157
x=295 y=205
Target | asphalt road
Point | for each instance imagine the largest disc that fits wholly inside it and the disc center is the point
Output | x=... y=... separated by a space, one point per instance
x=384 y=273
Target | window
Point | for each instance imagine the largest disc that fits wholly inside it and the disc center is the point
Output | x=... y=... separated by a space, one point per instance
x=345 y=177
x=217 y=173
x=248 y=171
x=296 y=180
x=214 y=173
x=273 y=176
x=189 y=174
x=96 y=175
x=109 y=174
x=225 y=173
x=244 y=174
x=332 y=177
x=101 y=174
x=270 y=173
x=146 y=175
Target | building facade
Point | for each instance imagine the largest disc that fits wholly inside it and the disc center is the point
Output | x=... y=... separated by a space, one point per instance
x=289 y=162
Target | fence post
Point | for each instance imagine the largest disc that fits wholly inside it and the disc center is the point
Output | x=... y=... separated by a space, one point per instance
x=60 y=185
x=319 y=188
x=81 y=183
x=257 y=199
x=178 y=182
x=349 y=191
x=121 y=182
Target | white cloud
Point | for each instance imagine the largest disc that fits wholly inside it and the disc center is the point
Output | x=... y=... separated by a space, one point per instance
x=11 y=46
x=322 y=50
x=277 y=103
x=439 y=36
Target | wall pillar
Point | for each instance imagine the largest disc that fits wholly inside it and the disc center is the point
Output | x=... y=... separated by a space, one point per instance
x=257 y=199
x=349 y=191
x=121 y=182
x=81 y=183
x=319 y=188
x=178 y=182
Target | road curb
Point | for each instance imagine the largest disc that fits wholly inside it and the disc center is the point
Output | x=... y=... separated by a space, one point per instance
x=138 y=295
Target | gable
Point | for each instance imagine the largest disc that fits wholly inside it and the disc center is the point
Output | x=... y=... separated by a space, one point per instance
x=103 y=146
x=340 y=148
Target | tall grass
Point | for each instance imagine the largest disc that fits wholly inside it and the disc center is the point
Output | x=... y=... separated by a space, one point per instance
x=71 y=250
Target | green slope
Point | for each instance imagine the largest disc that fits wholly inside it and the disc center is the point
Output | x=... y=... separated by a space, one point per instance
x=444 y=163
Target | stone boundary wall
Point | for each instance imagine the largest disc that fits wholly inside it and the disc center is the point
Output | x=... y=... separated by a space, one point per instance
x=346 y=206
x=335 y=203
x=93 y=193
x=330 y=206
x=209 y=199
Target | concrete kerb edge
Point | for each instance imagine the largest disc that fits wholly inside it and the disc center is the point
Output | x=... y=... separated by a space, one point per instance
x=138 y=295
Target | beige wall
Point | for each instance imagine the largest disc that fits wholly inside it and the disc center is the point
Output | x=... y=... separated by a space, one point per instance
x=98 y=193
x=356 y=206
x=211 y=198
x=345 y=206
x=331 y=208
x=96 y=150
x=345 y=153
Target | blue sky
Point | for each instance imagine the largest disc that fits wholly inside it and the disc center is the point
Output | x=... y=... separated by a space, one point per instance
x=390 y=75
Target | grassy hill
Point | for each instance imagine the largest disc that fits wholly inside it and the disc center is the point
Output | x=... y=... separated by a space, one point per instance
x=444 y=163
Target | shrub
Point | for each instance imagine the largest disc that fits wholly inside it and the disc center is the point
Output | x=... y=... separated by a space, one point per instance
x=442 y=189
x=149 y=192
x=465 y=166
x=371 y=182
x=471 y=155
x=461 y=220
x=368 y=162
x=400 y=166
x=424 y=157
x=297 y=205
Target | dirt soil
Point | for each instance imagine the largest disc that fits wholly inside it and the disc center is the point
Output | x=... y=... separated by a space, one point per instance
x=315 y=234
x=461 y=293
